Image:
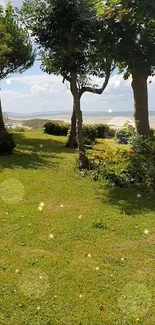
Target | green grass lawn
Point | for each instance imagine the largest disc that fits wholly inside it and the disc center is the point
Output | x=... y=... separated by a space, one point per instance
x=56 y=268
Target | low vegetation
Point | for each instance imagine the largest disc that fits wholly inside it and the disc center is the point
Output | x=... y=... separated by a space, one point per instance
x=73 y=251
x=90 y=132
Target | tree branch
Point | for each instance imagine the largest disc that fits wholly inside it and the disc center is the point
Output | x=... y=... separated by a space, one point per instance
x=98 y=91
x=65 y=77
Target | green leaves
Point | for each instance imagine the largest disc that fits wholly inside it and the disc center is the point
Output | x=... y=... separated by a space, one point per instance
x=67 y=32
x=133 y=26
x=16 y=51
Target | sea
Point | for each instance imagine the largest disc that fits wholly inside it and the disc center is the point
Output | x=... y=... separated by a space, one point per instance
x=67 y=113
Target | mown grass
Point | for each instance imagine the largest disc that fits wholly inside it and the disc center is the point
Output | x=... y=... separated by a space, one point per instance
x=56 y=267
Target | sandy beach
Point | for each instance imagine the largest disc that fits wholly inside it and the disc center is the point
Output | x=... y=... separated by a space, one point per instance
x=115 y=122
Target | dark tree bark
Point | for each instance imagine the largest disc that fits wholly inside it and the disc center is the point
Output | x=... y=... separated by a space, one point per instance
x=2 y=126
x=72 y=143
x=83 y=160
x=140 y=92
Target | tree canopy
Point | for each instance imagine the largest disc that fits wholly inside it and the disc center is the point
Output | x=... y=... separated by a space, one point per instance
x=16 y=50
x=67 y=33
x=133 y=24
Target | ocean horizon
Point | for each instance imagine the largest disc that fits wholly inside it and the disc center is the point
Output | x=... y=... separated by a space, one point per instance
x=67 y=113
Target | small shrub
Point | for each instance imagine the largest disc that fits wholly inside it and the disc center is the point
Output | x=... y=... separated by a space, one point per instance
x=125 y=168
x=104 y=131
x=7 y=143
x=55 y=128
x=89 y=134
x=99 y=224
x=123 y=135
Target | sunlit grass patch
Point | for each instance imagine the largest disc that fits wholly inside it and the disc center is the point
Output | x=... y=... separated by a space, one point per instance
x=56 y=268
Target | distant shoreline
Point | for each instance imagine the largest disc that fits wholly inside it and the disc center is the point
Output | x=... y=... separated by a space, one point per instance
x=111 y=120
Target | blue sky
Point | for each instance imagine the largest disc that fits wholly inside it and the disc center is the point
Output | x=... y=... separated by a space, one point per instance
x=35 y=91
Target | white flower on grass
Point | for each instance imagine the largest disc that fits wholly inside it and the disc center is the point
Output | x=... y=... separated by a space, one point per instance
x=89 y=255
x=80 y=216
x=41 y=145
x=97 y=268
x=6 y=213
x=17 y=271
x=40 y=277
x=38 y=308
x=51 y=236
x=139 y=195
x=146 y=231
x=61 y=206
x=80 y=296
x=40 y=208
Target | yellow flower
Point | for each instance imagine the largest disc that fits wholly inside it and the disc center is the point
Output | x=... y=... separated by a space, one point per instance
x=137 y=319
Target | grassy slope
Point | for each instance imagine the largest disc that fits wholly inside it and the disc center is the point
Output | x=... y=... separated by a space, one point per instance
x=49 y=281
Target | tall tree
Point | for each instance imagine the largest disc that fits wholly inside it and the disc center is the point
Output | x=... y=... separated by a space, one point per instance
x=133 y=26
x=66 y=33
x=16 y=52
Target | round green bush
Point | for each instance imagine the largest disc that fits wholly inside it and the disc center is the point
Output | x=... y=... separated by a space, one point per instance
x=55 y=128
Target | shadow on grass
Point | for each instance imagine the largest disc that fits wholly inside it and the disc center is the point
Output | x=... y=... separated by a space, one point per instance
x=34 y=153
x=130 y=201
x=40 y=145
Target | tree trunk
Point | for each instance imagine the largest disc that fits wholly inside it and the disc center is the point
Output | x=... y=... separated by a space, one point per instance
x=2 y=126
x=72 y=143
x=83 y=160
x=73 y=123
x=140 y=91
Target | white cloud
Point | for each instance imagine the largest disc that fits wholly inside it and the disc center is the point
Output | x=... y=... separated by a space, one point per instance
x=39 y=93
x=12 y=95
x=40 y=80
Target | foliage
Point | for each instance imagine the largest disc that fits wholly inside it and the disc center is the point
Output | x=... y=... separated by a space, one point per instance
x=123 y=135
x=16 y=51
x=90 y=132
x=56 y=128
x=99 y=224
x=104 y=131
x=69 y=46
x=67 y=34
x=133 y=25
x=6 y=143
x=94 y=131
x=125 y=168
